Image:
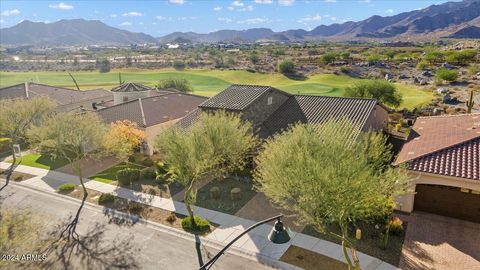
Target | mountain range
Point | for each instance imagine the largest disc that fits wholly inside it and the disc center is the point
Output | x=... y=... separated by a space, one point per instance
x=450 y=20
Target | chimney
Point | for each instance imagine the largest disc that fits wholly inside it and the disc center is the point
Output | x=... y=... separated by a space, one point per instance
x=26 y=90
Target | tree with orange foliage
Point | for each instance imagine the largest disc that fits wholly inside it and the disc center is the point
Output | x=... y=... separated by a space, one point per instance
x=123 y=138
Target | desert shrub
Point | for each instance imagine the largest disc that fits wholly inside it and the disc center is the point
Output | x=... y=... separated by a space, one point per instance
x=135 y=208
x=434 y=56
x=181 y=85
x=18 y=178
x=162 y=168
x=148 y=162
x=398 y=127
x=148 y=174
x=373 y=58
x=103 y=65
x=106 y=198
x=396 y=226
x=179 y=65
x=5 y=144
x=66 y=188
x=345 y=70
x=171 y=218
x=286 y=67
x=126 y=176
x=423 y=65
x=327 y=58
x=254 y=59
x=201 y=225
x=473 y=69
x=381 y=90
x=460 y=57
x=446 y=74
x=132 y=159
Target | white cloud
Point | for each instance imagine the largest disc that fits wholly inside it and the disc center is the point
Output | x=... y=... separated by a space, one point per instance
x=333 y=18
x=217 y=8
x=61 y=6
x=330 y=1
x=113 y=15
x=310 y=19
x=247 y=8
x=263 y=1
x=389 y=11
x=286 y=2
x=253 y=21
x=177 y=2
x=11 y=12
x=365 y=1
x=125 y=24
x=224 y=19
x=160 y=18
x=132 y=14
x=237 y=3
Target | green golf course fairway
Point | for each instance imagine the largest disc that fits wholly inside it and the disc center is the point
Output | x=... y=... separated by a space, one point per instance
x=208 y=82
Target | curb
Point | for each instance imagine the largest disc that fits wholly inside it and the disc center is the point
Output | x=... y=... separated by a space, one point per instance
x=258 y=257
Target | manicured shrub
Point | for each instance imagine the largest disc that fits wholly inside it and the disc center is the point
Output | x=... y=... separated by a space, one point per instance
x=66 y=188
x=135 y=208
x=148 y=174
x=396 y=226
x=126 y=176
x=106 y=198
x=201 y=225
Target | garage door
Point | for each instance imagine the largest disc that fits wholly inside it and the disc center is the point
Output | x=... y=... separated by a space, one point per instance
x=448 y=201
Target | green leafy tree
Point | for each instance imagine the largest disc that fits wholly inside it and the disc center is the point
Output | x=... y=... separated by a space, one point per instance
x=330 y=177
x=103 y=65
x=327 y=58
x=181 y=85
x=254 y=59
x=286 y=67
x=73 y=137
x=179 y=65
x=17 y=117
x=214 y=146
x=445 y=74
x=381 y=90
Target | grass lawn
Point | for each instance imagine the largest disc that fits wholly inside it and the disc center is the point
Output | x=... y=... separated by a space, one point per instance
x=208 y=82
x=369 y=243
x=225 y=204
x=310 y=260
x=42 y=161
x=110 y=175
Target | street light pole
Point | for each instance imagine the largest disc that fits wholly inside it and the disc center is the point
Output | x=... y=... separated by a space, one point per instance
x=278 y=236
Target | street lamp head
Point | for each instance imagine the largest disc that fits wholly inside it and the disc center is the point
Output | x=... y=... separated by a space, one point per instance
x=279 y=234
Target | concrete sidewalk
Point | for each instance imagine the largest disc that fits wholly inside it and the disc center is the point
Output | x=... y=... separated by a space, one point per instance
x=229 y=226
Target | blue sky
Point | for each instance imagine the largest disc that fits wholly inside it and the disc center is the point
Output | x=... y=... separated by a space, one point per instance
x=158 y=18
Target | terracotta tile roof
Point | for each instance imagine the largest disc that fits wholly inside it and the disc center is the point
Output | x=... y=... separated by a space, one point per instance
x=153 y=110
x=447 y=145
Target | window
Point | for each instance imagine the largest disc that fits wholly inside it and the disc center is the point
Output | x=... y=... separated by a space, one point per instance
x=270 y=101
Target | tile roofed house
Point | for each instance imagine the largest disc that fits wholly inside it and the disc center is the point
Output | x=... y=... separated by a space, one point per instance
x=271 y=110
x=153 y=114
x=130 y=91
x=66 y=99
x=442 y=154
x=131 y=87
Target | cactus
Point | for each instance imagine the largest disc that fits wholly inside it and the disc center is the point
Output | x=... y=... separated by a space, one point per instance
x=470 y=102
x=120 y=78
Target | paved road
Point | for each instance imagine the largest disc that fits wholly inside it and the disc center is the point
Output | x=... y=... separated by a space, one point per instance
x=158 y=250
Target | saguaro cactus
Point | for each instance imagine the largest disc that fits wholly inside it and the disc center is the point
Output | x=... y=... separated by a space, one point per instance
x=470 y=102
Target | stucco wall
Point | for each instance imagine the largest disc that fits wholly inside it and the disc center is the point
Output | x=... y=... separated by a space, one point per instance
x=405 y=203
x=118 y=97
x=377 y=120
x=259 y=111
x=153 y=131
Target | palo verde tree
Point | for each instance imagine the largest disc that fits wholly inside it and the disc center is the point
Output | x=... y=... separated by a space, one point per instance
x=217 y=144
x=122 y=139
x=381 y=90
x=73 y=137
x=330 y=176
x=17 y=117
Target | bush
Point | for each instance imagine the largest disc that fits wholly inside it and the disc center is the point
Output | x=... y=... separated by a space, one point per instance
x=396 y=226
x=254 y=59
x=181 y=85
x=328 y=57
x=422 y=65
x=446 y=75
x=106 y=198
x=103 y=66
x=135 y=208
x=286 y=67
x=202 y=225
x=66 y=188
x=148 y=162
x=473 y=69
x=18 y=178
x=461 y=57
x=148 y=174
x=381 y=90
x=373 y=58
x=179 y=65
x=5 y=144
x=345 y=70
x=171 y=218
x=126 y=176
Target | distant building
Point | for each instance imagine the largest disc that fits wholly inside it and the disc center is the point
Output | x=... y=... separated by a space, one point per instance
x=129 y=91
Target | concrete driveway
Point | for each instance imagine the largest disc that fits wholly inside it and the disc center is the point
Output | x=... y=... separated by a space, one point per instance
x=439 y=243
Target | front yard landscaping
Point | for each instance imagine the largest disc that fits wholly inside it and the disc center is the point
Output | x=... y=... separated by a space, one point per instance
x=369 y=242
x=224 y=203
x=42 y=161
x=109 y=176
x=16 y=176
x=310 y=260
